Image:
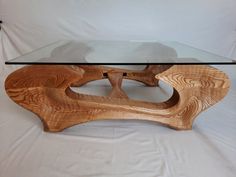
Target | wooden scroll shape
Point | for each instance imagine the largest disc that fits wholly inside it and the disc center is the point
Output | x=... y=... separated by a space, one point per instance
x=45 y=90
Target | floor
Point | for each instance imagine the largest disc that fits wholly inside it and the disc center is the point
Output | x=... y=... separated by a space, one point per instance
x=119 y=148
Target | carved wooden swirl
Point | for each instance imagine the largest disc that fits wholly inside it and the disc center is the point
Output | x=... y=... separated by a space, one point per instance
x=45 y=90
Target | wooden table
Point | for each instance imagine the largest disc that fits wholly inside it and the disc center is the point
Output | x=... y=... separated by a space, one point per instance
x=45 y=90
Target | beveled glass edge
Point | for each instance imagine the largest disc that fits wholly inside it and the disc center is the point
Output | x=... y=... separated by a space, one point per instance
x=166 y=63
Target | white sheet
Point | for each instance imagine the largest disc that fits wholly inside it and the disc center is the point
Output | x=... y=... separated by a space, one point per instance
x=119 y=148
x=205 y=24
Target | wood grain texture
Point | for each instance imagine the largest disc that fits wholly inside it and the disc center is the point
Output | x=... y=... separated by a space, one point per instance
x=45 y=90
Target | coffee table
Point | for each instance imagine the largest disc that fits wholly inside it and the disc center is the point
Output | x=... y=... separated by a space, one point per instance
x=43 y=86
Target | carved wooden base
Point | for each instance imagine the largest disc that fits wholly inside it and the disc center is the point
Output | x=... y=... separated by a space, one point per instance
x=45 y=90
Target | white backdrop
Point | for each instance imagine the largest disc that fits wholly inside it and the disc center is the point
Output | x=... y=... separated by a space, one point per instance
x=118 y=148
x=205 y=24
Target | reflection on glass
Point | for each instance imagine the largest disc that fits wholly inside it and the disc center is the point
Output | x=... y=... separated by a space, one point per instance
x=118 y=52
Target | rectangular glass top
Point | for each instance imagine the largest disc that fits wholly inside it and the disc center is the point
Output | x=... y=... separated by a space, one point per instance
x=112 y=52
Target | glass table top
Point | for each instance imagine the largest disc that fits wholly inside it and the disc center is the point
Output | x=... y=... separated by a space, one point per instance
x=125 y=52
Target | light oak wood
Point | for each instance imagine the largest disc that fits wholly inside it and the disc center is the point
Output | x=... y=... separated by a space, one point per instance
x=45 y=90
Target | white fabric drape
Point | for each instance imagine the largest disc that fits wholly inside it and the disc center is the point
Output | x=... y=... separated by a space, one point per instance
x=205 y=24
x=118 y=148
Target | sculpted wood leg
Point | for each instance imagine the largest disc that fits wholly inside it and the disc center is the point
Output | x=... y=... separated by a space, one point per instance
x=45 y=90
x=115 y=79
x=146 y=76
